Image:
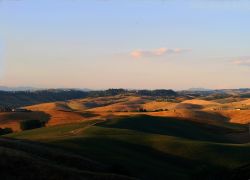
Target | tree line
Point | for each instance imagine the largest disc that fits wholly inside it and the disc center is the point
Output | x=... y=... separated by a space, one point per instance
x=13 y=99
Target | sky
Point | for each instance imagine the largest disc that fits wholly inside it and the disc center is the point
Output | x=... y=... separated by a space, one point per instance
x=99 y=44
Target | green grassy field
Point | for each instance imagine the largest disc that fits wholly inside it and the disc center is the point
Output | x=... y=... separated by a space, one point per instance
x=148 y=147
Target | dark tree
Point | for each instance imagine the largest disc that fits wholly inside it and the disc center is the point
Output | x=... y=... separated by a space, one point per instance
x=4 y=131
x=31 y=124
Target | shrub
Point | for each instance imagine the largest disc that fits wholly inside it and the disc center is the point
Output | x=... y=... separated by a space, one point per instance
x=31 y=124
x=4 y=131
x=142 y=110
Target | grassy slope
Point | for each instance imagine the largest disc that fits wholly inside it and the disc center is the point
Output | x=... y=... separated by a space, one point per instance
x=12 y=119
x=22 y=159
x=21 y=165
x=149 y=147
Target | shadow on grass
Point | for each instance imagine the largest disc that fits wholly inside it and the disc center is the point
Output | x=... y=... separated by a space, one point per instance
x=26 y=160
x=88 y=114
x=138 y=160
x=169 y=126
x=26 y=116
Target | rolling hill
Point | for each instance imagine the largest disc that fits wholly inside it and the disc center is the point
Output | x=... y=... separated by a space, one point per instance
x=111 y=138
x=147 y=147
x=22 y=159
x=90 y=108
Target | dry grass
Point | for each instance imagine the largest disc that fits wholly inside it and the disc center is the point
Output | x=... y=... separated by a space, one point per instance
x=12 y=119
x=108 y=107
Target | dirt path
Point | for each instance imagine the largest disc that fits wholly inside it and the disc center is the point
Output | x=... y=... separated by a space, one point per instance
x=80 y=130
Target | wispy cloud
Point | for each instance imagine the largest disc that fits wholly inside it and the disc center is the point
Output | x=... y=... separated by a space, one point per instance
x=156 y=52
x=244 y=61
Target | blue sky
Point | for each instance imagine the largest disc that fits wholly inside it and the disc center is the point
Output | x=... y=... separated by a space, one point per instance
x=129 y=44
x=1 y=59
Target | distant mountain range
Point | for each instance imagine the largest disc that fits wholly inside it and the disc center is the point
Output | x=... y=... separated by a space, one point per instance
x=199 y=89
x=29 y=88
x=21 y=88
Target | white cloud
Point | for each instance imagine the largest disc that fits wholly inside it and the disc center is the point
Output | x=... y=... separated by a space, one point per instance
x=156 y=52
x=244 y=61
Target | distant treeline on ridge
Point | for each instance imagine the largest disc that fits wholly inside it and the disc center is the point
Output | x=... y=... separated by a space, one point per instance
x=13 y=99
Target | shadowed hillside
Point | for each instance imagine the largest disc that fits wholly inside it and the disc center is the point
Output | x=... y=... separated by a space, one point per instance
x=28 y=160
x=150 y=147
x=176 y=127
x=146 y=137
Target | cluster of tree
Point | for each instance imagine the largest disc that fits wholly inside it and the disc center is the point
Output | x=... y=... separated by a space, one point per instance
x=113 y=92
x=157 y=92
x=14 y=99
x=31 y=124
x=157 y=110
x=245 y=95
x=142 y=110
x=217 y=96
x=109 y=92
x=4 y=131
